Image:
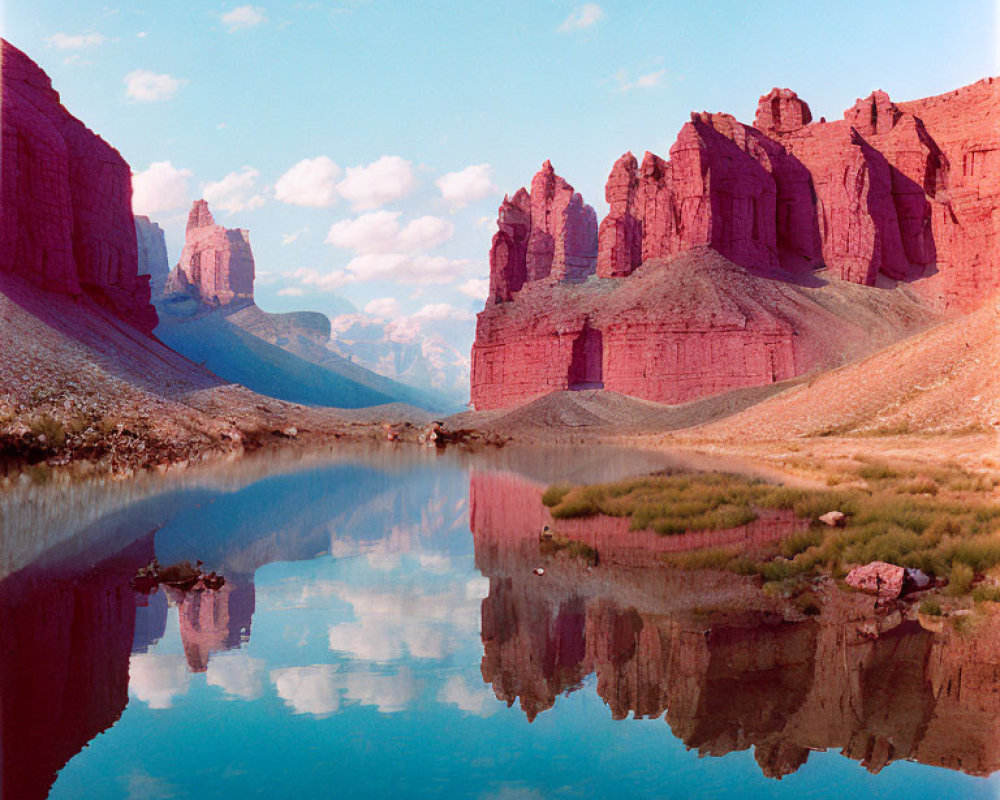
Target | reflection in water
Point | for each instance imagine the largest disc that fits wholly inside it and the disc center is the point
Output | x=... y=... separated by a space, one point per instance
x=355 y=594
x=762 y=677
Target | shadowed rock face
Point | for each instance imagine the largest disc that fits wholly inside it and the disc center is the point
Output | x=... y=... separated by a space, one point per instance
x=152 y=253
x=65 y=199
x=880 y=690
x=64 y=659
x=216 y=264
x=891 y=192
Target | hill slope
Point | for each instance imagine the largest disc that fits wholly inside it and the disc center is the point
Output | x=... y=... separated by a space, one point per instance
x=943 y=380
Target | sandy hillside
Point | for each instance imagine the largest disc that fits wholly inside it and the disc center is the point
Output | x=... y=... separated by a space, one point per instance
x=944 y=380
x=70 y=369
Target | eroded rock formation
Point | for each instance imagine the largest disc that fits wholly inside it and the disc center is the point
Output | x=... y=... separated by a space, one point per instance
x=891 y=192
x=546 y=233
x=216 y=264
x=65 y=199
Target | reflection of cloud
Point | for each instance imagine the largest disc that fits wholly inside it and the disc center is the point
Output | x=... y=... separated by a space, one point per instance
x=237 y=674
x=388 y=693
x=373 y=641
x=308 y=690
x=477 y=700
x=157 y=678
x=391 y=623
x=437 y=563
x=477 y=588
x=316 y=689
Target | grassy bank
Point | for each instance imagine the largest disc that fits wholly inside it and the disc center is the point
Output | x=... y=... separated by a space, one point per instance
x=942 y=521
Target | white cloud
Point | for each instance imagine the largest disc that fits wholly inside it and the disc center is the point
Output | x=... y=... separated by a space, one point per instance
x=308 y=690
x=582 y=17
x=66 y=41
x=237 y=674
x=379 y=232
x=651 y=80
x=466 y=186
x=383 y=307
x=291 y=291
x=157 y=678
x=235 y=192
x=383 y=181
x=312 y=182
x=160 y=187
x=441 y=312
x=477 y=700
x=144 y=86
x=243 y=17
x=288 y=238
x=405 y=268
x=476 y=288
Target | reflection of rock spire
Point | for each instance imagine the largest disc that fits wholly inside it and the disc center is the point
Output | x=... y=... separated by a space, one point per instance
x=213 y=621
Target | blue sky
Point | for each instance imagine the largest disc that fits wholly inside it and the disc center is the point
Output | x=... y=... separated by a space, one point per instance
x=384 y=99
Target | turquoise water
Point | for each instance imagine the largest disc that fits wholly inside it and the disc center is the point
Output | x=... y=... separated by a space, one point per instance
x=375 y=622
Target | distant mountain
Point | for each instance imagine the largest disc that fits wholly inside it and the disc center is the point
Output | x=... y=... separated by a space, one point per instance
x=426 y=362
x=207 y=313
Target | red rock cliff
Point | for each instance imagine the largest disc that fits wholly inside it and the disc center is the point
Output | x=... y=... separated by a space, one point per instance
x=892 y=192
x=65 y=199
x=216 y=265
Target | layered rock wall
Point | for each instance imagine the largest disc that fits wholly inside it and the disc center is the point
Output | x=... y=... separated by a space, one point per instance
x=216 y=264
x=65 y=194
x=892 y=192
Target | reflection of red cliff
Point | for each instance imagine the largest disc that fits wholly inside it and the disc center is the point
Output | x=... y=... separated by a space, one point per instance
x=65 y=639
x=762 y=676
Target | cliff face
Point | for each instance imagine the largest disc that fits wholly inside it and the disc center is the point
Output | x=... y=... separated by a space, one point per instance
x=216 y=265
x=891 y=192
x=152 y=254
x=65 y=196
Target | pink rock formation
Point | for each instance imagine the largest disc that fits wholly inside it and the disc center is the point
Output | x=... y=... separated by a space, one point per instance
x=892 y=192
x=65 y=199
x=547 y=233
x=781 y=111
x=216 y=265
x=620 y=236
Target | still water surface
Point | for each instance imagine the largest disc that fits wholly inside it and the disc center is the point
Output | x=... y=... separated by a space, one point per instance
x=382 y=633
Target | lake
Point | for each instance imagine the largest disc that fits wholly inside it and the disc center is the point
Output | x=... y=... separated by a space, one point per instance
x=389 y=627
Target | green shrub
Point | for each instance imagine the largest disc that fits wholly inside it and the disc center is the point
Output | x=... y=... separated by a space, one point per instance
x=930 y=607
x=959 y=580
x=554 y=495
x=986 y=593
